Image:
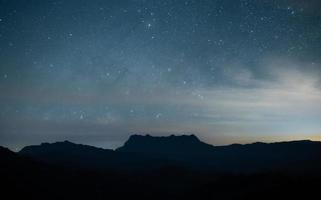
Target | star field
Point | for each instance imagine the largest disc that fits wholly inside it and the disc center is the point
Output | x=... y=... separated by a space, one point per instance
x=97 y=71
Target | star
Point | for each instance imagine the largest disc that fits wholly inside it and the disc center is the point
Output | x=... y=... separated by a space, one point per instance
x=158 y=115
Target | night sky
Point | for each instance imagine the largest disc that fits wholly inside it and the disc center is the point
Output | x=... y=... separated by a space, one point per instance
x=97 y=71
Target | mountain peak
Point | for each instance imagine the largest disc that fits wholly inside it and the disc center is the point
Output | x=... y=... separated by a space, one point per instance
x=65 y=143
x=172 y=137
x=58 y=147
x=164 y=144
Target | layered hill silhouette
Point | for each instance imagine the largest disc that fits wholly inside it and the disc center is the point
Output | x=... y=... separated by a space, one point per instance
x=173 y=167
x=144 y=152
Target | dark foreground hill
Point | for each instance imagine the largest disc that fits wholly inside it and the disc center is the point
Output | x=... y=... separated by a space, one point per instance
x=162 y=168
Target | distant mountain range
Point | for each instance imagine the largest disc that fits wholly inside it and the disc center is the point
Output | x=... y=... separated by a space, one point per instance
x=173 y=167
x=145 y=152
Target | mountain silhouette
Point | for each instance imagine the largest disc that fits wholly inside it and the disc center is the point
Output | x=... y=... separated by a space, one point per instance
x=173 y=167
x=187 y=150
x=184 y=144
x=69 y=154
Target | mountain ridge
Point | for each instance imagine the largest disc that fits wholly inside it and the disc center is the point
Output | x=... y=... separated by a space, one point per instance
x=144 y=152
x=164 y=144
x=131 y=137
x=24 y=178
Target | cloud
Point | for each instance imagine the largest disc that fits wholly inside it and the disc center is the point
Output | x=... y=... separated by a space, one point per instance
x=281 y=102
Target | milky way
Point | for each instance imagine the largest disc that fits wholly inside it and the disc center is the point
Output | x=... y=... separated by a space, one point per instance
x=97 y=71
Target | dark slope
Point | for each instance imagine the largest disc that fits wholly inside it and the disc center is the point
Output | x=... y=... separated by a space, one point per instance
x=296 y=156
x=11 y=161
x=70 y=154
x=24 y=178
x=6 y=154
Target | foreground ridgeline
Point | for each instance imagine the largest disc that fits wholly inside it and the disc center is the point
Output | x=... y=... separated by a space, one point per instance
x=173 y=167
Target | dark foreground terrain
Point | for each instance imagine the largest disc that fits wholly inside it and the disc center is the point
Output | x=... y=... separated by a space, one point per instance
x=174 y=167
